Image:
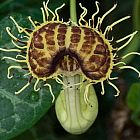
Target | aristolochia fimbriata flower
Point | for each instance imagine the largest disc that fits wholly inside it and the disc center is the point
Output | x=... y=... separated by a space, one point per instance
x=76 y=56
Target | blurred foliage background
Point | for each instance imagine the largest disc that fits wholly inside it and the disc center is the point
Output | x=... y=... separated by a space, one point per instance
x=118 y=118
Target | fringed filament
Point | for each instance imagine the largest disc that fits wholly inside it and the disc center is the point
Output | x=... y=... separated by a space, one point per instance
x=82 y=16
x=110 y=40
x=35 y=85
x=10 y=58
x=47 y=13
x=23 y=88
x=86 y=99
x=98 y=22
x=10 y=34
x=113 y=78
x=131 y=53
x=10 y=50
x=50 y=88
x=9 y=76
x=128 y=36
x=56 y=11
x=60 y=75
x=43 y=14
x=97 y=6
x=58 y=80
x=103 y=90
x=130 y=67
x=19 y=55
x=13 y=37
x=33 y=24
x=108 y=28
x=37 y=23
x=117 y=90
x=47 y=9
x=102 y=18
x=20 y=29
x=119 y=63
x=19 y=47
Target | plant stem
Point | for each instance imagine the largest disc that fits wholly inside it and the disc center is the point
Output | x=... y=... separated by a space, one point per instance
x=73 y=13
x=136 y=14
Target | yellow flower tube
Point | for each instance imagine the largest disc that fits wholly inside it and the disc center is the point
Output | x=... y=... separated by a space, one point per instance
x=74 y=110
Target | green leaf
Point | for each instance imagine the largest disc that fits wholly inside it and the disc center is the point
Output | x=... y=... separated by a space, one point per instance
x=20 y=112
x=133 y=97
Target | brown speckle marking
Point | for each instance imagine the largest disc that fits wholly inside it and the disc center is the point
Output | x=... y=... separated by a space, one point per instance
x=45 y=59
x=75 y=38
x=49 y=32
x=60 y=37
x=43 y=62
x=88 y=32
x=76 y=30
x=100 y=49
x=86 y=48
x=62 y=29
x=49 y=26
x=61 y=43
x=32 y=64
x=100 y=40
x=50 y=42
x=42 y=72
x=34 y=53
x=37 y=39
x=98 y=64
